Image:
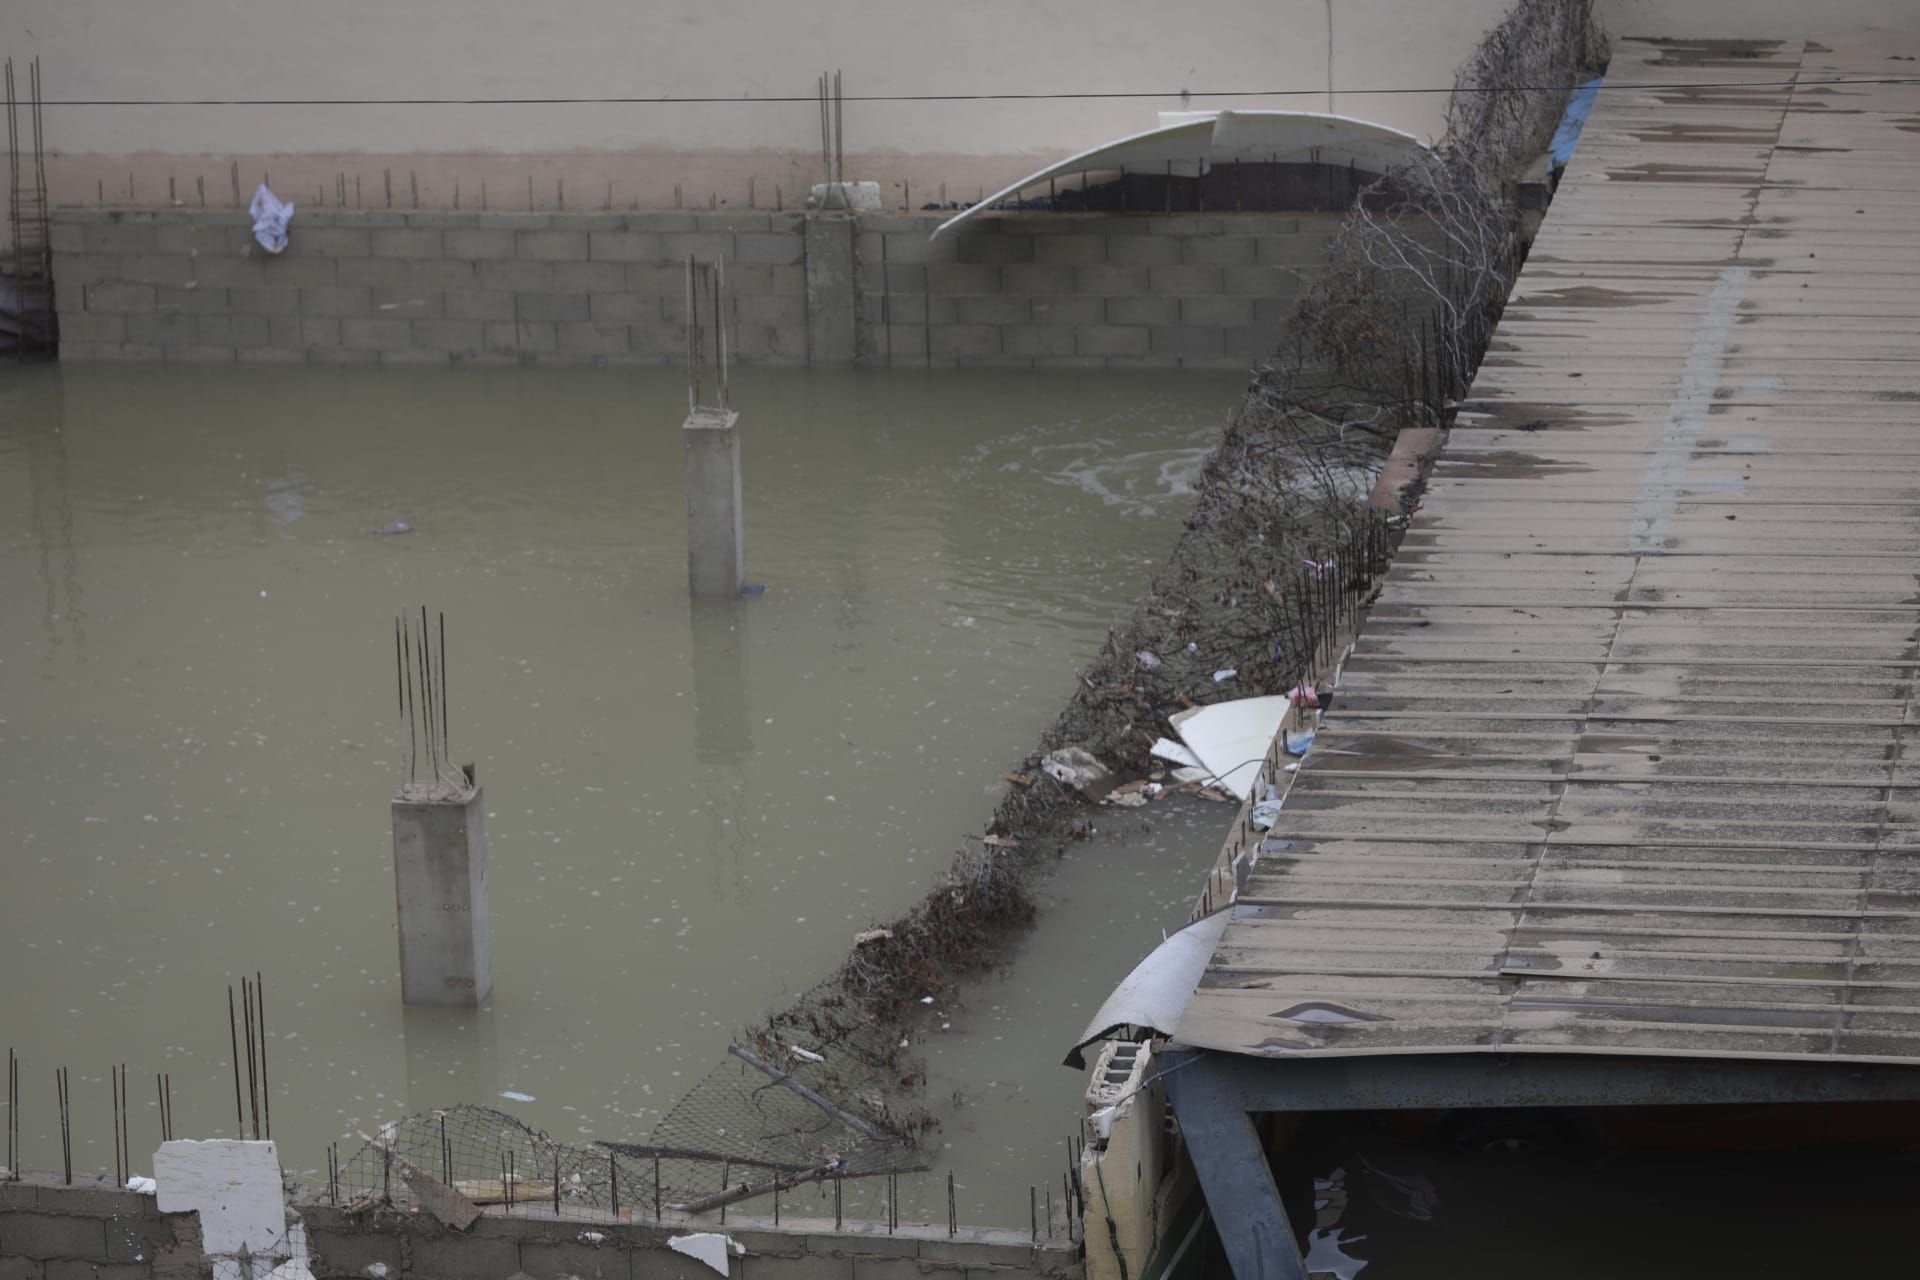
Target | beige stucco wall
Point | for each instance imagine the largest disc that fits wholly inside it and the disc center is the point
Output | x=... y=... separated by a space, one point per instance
x=742 y=52
x=1754 y=19
x=743 y=151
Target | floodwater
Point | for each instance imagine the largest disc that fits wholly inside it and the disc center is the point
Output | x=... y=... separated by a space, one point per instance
x=690 y=812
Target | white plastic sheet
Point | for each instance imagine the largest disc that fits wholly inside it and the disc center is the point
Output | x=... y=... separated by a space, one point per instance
x=270 y=218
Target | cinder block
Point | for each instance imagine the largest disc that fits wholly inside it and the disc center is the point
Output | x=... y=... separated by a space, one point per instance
x=335 y=302
x=74 y=1269
x=1269 y=281
x=161 y=329
x=911 y=247
x=477 y=242
x=283 y=331
x=269 y=355
x=1149 y=309
x=119 y=237
x=551 y=308
x=1250 y=342
x=158 y=268
x=198 y=237
x=733 y=220
x=878 y=1268
x=382 y=333
x=1184 y=224
x=623 y=246
x=442 y=273
x=551 y=246
x=768 y=248
x=194 y=300
x=1070 y=250
x=522 y=336
x=66 y=238
x=769 y=309
x=69 y=293
x=416 y=355
x=198 y=353
x=352 y=1253
x=516 y=220
x=91 y=268
x=233 y=331
x=260 y=302
x=477 y=304
x=120 y=297
x=409 y=304
x=328 y=242
x=92 y=326
x=372 y=273
x=1216 y=312
x=622 y=308
x=978 y=1253
x=659 y=222
x=1106 y=280
x=406 y=242
x=892 y=278
x=1038 y=340
x=553 y=1259
x=993 y=309
x=1072 y=309
x=342 y=355
x=1111 y=340
x=319 y=331
x=516 y=276
x=42 y=1235
x=1291 y=251
x=225 y=271
x=702 y=246
x=457 y=337
x=1031 y=278
x=996 y=247
x=589 y=339
x=1185 y=340
x=955 y=341
x=1185 y=279
x=1226 y=251
x=458 y=1257
x=746 y=279
x=590 y=277
x=1142 y=251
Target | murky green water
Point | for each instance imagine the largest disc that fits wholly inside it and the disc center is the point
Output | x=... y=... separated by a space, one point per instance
x=689 y=813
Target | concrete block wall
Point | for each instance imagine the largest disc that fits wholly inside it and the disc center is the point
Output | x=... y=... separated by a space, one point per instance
x=1087 y=290
x=419 y=288
x=495 y=1248
x=90 y=1231
x=1101 y=290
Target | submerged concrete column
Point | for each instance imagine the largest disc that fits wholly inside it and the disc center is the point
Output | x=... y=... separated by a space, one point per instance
x=440 y=888
x=716 y=546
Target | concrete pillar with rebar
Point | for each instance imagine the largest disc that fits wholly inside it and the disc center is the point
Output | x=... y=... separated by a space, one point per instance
x=439 y=838
x=440 y=893
x=716 y=541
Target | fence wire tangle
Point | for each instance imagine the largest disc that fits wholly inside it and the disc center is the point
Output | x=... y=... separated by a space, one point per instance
x=748 y=1134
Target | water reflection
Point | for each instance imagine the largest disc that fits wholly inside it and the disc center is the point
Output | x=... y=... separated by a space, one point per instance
x=451 y=1054
x=722 y=709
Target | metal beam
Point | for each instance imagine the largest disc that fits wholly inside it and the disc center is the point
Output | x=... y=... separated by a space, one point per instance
x=1232 y=1164
x=1392 y=1082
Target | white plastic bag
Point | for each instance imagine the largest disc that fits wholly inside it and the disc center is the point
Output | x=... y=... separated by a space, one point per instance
x=270 y=219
